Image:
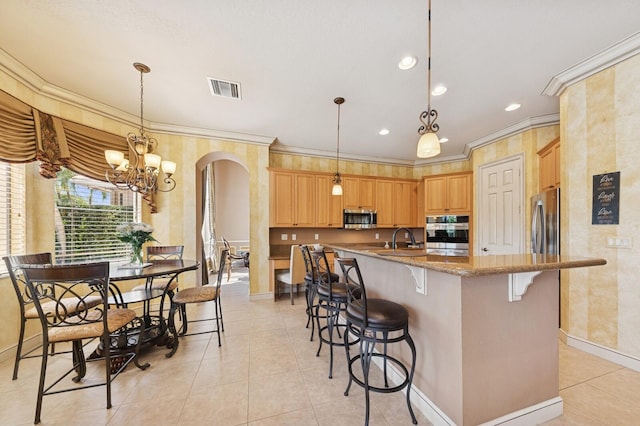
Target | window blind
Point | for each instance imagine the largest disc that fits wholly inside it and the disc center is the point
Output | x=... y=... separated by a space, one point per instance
x=87 y=214
x=12 y=210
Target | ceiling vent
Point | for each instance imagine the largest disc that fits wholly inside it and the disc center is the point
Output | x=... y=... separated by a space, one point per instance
x=227 y=89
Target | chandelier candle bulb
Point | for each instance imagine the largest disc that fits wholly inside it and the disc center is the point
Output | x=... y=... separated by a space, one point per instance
x=152 y=160
x=114 y=158
x=169 y=167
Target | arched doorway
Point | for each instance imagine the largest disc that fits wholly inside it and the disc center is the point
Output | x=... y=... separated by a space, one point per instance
x=222 y=204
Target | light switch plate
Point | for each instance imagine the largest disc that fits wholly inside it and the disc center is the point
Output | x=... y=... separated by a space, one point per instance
x=284 y=237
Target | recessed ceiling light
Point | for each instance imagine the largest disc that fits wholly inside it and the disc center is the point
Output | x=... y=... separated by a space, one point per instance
x=407 y=63
x=512 y=107
x=440 y=89
x=443 y=140
x=383 y=132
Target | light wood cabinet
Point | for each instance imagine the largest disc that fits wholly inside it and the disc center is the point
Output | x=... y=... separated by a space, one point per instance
x=328 y=207
x=396 y=203
x=549 y=165
x=293 y=199
x=359 y=193
x=385 y=200
x=303 y=199
x=448 y=194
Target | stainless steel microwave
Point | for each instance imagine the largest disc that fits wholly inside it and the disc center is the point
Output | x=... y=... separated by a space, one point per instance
x=360 y=219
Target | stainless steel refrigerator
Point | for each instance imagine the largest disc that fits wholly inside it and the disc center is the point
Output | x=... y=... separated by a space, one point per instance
x=545 y=222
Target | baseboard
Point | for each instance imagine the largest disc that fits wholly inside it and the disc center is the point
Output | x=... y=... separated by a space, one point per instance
x=261 y=296
x=617 y=357
x=532 y=415
x=28 y=344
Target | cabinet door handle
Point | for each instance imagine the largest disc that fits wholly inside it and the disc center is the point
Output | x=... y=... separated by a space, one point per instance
x=485 y=249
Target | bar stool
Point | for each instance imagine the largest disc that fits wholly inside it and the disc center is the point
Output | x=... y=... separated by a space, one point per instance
x=311 y=276
x=332 y=297
x=371 y=321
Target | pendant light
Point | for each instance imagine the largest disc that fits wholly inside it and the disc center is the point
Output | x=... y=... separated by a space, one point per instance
x=429 y=143
x=337 y=180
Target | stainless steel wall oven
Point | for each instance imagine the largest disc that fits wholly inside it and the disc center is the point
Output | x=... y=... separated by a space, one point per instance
x=447 y=235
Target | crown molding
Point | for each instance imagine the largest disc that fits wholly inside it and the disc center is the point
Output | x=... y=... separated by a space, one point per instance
x=528 y=124
x=286 y=149
x=40 y=87
x=609 y=57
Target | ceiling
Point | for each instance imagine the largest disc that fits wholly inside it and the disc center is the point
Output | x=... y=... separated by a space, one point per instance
x=293 y=57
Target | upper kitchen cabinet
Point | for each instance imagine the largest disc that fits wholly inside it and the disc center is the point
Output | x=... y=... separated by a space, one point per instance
x=549 y=165
x=395 y=203
x=293 y=200
x=328 y=207
x=448 y=194
x=359 y=193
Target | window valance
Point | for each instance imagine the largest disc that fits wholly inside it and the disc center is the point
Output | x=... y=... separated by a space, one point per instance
x=27 y=134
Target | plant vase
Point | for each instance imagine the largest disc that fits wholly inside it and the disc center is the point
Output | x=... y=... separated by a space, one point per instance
x=136 y=254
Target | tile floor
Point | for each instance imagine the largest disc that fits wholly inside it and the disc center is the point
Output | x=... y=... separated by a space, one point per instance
x=266 y=373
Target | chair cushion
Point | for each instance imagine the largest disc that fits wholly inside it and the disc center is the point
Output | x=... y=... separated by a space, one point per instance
x=116 y=319
x=70 y=304
x=381 y=313
x=158 y=285
x=206 y=293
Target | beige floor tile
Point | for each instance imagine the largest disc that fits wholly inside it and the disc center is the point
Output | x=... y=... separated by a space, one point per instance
x=293 y=418
x=267 y=373
x=225 y=404
x=277 y=394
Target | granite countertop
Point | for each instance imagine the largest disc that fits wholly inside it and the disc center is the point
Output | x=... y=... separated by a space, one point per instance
x=472 y=266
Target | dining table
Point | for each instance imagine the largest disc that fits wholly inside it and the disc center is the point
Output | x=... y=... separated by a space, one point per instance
x=156 y=328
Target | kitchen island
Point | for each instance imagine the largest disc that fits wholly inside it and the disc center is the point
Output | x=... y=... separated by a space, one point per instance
x=485 y=328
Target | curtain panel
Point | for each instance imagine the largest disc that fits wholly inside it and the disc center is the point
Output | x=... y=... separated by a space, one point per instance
x=27 y=134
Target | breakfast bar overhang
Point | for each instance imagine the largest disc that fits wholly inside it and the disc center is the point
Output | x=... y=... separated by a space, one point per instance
x=485 y=329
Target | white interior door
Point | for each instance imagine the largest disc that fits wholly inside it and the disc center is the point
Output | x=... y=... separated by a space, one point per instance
x=501 y=208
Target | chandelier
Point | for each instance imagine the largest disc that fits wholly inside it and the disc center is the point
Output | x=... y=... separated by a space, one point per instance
x=429 y=143
x=140 y=173
x=337 y=180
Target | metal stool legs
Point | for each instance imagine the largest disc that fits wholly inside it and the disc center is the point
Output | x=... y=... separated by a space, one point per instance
x=368 y=340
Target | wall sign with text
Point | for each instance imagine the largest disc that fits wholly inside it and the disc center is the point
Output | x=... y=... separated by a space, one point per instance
x=606 y=199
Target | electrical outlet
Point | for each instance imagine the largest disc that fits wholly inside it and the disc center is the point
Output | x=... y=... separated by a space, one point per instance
x=406 y=235
x=293 y=237
x=284 y=237
x=316 y=237
x=377 y=236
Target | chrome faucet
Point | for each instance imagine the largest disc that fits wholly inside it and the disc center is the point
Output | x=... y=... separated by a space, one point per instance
x=393 y=238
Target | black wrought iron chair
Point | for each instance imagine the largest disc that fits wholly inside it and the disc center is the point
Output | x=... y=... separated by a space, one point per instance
x=27 y=310
x=374 y=322
x=64 y=297
x=205 y=293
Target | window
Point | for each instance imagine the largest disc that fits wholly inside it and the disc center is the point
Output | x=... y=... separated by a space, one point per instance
x=86 y=215
x=12 y=208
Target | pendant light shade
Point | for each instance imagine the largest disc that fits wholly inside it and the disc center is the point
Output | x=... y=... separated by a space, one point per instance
x=428 y=145
x=337 y=189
